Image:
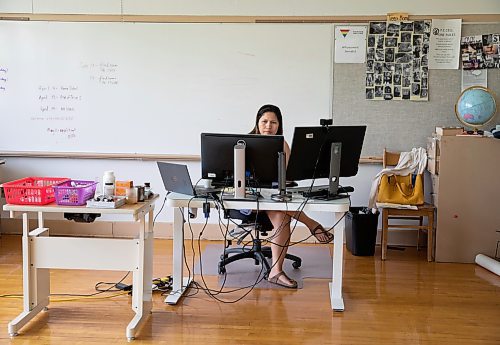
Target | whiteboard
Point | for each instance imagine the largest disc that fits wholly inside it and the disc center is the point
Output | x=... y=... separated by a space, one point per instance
x=154 y=87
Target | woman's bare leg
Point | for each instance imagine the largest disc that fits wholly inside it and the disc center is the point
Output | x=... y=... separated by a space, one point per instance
x=316 y=229
x=281 y=240
x=304 y=219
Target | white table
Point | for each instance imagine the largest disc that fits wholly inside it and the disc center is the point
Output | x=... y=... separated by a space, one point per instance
x=338 y=207
x=41 y=252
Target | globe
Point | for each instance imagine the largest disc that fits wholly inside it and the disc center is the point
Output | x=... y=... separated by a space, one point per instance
x=476 y=106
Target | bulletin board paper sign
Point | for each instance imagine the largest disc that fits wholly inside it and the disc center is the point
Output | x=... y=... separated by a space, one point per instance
x=476 y=77
x=444 y=50
x=350 y=44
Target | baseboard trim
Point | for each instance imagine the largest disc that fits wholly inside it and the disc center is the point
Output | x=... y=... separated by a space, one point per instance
x=164 y=230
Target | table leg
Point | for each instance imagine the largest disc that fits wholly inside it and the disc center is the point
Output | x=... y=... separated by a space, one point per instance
x=430 y=236
x=36 y=282
x=142 y=277
x=385 y=232
x=179 y=284
x=337 y=302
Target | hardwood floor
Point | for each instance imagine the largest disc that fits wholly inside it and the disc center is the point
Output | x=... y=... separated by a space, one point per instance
x=404 y=300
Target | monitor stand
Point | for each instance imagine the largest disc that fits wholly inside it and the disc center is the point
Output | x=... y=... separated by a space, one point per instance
x=239 y=175
x=333 y=179
x=333 y=191
x=282 y=195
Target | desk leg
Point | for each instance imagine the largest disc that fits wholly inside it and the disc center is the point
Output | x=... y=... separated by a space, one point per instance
x=336 y=299
x=179 y=284
x=36 y=282
x=143 y=277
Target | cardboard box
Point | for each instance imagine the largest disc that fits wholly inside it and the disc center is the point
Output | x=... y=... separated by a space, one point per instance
x=121 y=187
x=434 y=199
x=433 y=147
x=435 y=183
x=433 y=165
x=449 y=130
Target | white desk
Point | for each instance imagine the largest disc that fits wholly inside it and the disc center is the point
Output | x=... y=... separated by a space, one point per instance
x=42 y=252
x=179 y=202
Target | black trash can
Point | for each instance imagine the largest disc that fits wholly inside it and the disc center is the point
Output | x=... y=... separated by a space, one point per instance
x=361 y=231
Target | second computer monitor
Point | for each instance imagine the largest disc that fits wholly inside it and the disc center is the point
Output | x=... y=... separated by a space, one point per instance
x=310 y=156
x=261 y=158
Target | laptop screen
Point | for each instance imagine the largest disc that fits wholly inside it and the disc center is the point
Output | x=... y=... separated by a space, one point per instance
x=176 y=178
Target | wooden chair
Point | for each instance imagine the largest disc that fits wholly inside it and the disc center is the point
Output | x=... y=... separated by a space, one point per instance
x=389 y=215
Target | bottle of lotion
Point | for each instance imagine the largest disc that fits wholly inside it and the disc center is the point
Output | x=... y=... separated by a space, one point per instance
x=108 y=183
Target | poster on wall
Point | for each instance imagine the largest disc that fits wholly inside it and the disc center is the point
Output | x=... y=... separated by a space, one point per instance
x=350 y=44
x=472 y=52
x=491 y=50
x=397 y=60
x=444 y=50
x=480 y=51
x=475 y=77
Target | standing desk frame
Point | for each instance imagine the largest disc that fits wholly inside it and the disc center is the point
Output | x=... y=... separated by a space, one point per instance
x=338 y=207
x=41 y=252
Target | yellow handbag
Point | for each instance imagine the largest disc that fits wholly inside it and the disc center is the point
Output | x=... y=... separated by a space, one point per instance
x=397 y=189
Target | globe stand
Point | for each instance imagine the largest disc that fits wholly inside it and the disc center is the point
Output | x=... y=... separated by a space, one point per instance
x=475 y=108
x=474 y=132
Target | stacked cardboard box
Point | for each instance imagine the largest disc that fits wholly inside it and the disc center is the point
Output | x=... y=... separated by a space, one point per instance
x=121 y=187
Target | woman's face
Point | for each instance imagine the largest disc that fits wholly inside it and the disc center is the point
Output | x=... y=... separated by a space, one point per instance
x=268 y=124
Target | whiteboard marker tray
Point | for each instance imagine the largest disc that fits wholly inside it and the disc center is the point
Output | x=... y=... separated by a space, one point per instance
x=118 y=201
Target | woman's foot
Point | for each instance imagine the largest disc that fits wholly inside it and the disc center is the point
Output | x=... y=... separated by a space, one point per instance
x=282 y=279
x=321 y=234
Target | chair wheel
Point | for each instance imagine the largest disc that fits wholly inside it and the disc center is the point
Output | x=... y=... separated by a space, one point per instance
x=222 y=268
x=296 y=264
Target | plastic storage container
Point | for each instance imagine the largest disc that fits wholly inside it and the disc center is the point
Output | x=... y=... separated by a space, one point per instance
x=31 y=190
x=74 y=192
x=361 y=231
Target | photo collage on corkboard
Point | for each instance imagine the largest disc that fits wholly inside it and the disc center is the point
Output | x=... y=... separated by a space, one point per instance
x=397 y=60
x=481 y=51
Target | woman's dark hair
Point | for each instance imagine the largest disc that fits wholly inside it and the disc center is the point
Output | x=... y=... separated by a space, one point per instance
x=264 y=109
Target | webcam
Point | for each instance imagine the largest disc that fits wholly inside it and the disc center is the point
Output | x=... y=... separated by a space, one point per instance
x=326 y=122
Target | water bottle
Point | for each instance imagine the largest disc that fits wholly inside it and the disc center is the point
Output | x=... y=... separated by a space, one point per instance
x=108 y=183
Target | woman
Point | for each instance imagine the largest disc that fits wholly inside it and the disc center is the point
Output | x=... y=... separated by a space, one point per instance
x=269 y=122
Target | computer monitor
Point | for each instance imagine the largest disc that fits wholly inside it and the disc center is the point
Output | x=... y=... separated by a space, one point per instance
x=310 y=152
x=261 y=158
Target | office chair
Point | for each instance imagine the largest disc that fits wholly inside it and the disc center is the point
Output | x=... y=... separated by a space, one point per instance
x=391 y=214
x=260 y=224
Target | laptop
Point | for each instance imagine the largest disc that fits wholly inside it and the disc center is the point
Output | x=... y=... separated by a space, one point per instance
x=176 y=179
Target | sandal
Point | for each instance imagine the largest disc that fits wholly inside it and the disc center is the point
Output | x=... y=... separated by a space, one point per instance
x=276 y=280
x=321 y=234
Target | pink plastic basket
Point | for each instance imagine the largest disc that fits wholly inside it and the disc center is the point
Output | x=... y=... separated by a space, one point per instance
x=31 y=190
x=74 y=192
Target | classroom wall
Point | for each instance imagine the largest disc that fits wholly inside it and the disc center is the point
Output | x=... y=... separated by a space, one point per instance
x=251 y=8
x=146 y=171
